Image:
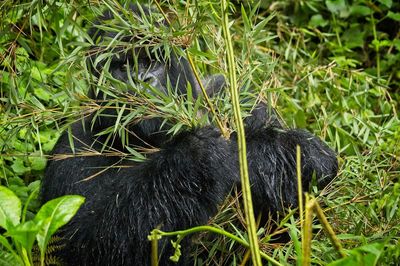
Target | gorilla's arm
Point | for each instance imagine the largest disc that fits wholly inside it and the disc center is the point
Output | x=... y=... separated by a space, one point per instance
x=176 y=188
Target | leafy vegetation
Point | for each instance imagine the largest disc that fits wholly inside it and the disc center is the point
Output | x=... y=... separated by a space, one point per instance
x=329 y=66
x=50 y=217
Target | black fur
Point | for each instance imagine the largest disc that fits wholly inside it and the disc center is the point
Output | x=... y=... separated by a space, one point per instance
x=271 y=154
x=178 y=187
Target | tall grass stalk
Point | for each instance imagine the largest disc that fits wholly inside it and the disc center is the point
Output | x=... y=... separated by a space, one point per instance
x=244 y=174
x=300 y=197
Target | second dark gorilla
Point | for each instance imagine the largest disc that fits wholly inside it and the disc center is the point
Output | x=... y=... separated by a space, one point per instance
x=178 y=187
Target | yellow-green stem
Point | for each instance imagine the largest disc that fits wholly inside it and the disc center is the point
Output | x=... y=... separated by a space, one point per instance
x=300 y=194
x=307 y=231
x=244 y=175
x=328 y=228
x=154 y=252
x=183 y=233
x=224 y=132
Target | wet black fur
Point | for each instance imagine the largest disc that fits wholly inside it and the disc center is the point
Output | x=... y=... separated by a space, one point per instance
x=271 y=154
x=176 y=188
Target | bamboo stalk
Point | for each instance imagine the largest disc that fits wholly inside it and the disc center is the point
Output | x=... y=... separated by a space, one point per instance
x=244 y=174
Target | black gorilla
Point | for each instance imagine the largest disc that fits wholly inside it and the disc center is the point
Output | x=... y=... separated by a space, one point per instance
x=178 y=187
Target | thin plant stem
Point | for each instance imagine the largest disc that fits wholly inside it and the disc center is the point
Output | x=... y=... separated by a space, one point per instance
x=157 y=234
x=224 y=132
x=312 y=206
x=376 y=46
x=300 y=194
x=154 y=252
x=307 y=231
x=328 y=228
x=244 y=175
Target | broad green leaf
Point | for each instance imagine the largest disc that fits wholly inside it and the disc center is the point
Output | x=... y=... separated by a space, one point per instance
x=317 y=21
x=37 y=163
x=54 y=214
x=337 y=7
x=24 y=233
x=18 y=166
x=394 y=16
x=360 y=10
x=10 y=208
x=387 y=3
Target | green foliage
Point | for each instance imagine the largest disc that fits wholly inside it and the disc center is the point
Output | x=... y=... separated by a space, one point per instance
x=20 y=235
x=354 y=33
x=367 y=255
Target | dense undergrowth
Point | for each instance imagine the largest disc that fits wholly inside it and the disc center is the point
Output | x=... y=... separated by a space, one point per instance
x=332 y=67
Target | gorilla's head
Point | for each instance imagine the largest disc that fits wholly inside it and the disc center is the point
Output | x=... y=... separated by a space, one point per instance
x=133 y=59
